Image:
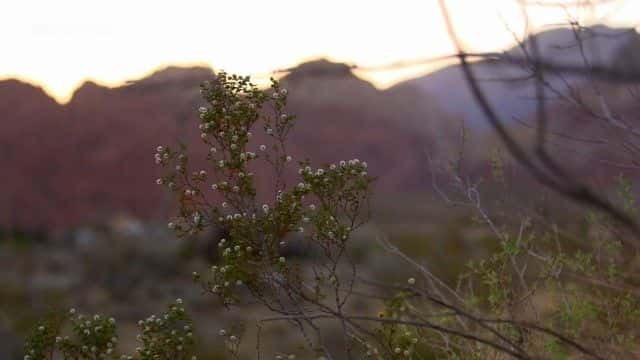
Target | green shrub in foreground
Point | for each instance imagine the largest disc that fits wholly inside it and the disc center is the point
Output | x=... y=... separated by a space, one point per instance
x=539 y=295
x=76 y=336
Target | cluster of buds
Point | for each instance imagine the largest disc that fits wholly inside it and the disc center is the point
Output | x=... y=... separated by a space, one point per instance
x=92 y=337
x=167 y=336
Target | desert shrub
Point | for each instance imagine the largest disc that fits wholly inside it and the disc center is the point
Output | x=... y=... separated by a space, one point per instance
x=541 y=293
x=76 y=336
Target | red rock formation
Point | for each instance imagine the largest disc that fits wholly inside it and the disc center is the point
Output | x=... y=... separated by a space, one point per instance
x=68 y=164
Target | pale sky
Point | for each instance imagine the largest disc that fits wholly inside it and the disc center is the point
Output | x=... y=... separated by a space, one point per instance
x=58 y=44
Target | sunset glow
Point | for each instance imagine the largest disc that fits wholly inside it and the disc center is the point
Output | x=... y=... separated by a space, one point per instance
x=60 y=44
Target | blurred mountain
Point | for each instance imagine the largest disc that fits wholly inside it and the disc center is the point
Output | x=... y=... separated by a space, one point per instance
x=512 y=90
x=93 y=157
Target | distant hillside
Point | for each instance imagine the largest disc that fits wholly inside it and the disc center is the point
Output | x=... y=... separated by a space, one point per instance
x=69 y=164
x=515 y=98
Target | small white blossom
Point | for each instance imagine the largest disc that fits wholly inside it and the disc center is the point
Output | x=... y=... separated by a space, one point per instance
x=263 y=147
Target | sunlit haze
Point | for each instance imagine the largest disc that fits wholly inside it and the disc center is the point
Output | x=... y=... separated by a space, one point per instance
x=60 y=44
